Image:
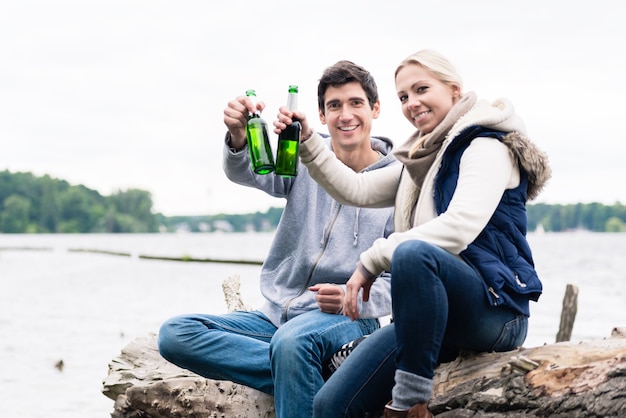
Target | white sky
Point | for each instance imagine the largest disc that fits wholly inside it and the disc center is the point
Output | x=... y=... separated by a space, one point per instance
x=118 y=94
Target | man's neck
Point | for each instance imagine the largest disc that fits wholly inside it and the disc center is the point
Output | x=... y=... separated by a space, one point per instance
x=358 y=159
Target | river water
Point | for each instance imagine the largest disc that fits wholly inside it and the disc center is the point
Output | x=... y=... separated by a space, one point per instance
x=82 y=308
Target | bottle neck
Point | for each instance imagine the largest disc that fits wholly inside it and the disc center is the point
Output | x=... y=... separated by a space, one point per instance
x=292 y=102
x=254 y=114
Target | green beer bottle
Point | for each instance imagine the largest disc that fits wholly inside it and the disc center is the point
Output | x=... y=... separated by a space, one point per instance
x=261 y=158
x=289 y=141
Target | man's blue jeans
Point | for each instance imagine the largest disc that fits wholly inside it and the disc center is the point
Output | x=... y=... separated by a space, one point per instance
x=439 y=307
x=246 y=348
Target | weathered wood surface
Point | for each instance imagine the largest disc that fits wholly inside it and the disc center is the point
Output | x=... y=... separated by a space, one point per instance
x=143 y=384
x=586 y=379
x=566 y=379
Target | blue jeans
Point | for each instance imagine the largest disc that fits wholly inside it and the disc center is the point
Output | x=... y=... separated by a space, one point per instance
x=439 y=307
x=246 y=348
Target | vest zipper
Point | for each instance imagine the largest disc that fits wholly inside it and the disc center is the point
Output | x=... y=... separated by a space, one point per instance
x=495 y=295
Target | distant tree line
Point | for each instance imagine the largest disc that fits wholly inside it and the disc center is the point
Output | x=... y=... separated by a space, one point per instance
x=589 y=216
x=256 y=222
x=549 y=218
x=30 y=204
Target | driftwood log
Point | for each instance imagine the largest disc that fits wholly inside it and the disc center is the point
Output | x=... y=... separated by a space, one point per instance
x=145 y=385
x=565 y=379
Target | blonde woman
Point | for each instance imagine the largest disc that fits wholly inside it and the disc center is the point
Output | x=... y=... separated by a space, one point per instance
x=462 y=272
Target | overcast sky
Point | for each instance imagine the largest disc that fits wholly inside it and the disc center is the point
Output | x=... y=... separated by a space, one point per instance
x=120 y=94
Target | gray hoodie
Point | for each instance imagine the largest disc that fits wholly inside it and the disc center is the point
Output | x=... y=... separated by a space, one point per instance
x=317 y=240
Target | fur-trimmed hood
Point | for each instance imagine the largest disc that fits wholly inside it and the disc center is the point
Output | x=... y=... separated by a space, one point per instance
x=500 y=115
x=531 y=159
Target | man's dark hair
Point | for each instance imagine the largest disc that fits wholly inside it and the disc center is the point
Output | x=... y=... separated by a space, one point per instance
x=344 y=72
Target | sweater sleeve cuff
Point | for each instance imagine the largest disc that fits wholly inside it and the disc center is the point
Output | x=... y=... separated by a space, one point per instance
x=365 y=272
x=307 y=136
x=227 y=141
x=311 y=148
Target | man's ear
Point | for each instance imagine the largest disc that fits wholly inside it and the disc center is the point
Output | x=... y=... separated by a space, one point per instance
x=376 y=110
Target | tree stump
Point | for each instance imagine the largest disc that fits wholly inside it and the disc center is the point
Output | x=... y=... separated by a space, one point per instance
x=568 y=313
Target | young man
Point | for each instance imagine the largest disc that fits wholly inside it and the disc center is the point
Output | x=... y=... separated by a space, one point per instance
x=280 y=348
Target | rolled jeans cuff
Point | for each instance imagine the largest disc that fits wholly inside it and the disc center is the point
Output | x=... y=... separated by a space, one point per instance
x=410 y=389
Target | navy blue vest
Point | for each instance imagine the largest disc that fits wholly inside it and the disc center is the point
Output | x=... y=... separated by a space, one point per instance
x=500 y=253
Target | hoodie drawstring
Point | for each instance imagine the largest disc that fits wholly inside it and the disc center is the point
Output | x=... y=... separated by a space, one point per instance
x=356 y=227
x=331 y=219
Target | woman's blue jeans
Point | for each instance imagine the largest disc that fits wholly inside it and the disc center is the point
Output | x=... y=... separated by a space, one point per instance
x=439 y=307
x=246 y=348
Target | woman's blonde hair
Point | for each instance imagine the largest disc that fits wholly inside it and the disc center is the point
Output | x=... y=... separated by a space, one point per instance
x=436 y=63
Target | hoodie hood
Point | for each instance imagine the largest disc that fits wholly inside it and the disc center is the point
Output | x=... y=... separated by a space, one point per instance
x=381 y=144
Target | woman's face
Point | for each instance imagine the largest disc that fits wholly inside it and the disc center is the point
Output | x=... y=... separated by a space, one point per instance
x=425 y=99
